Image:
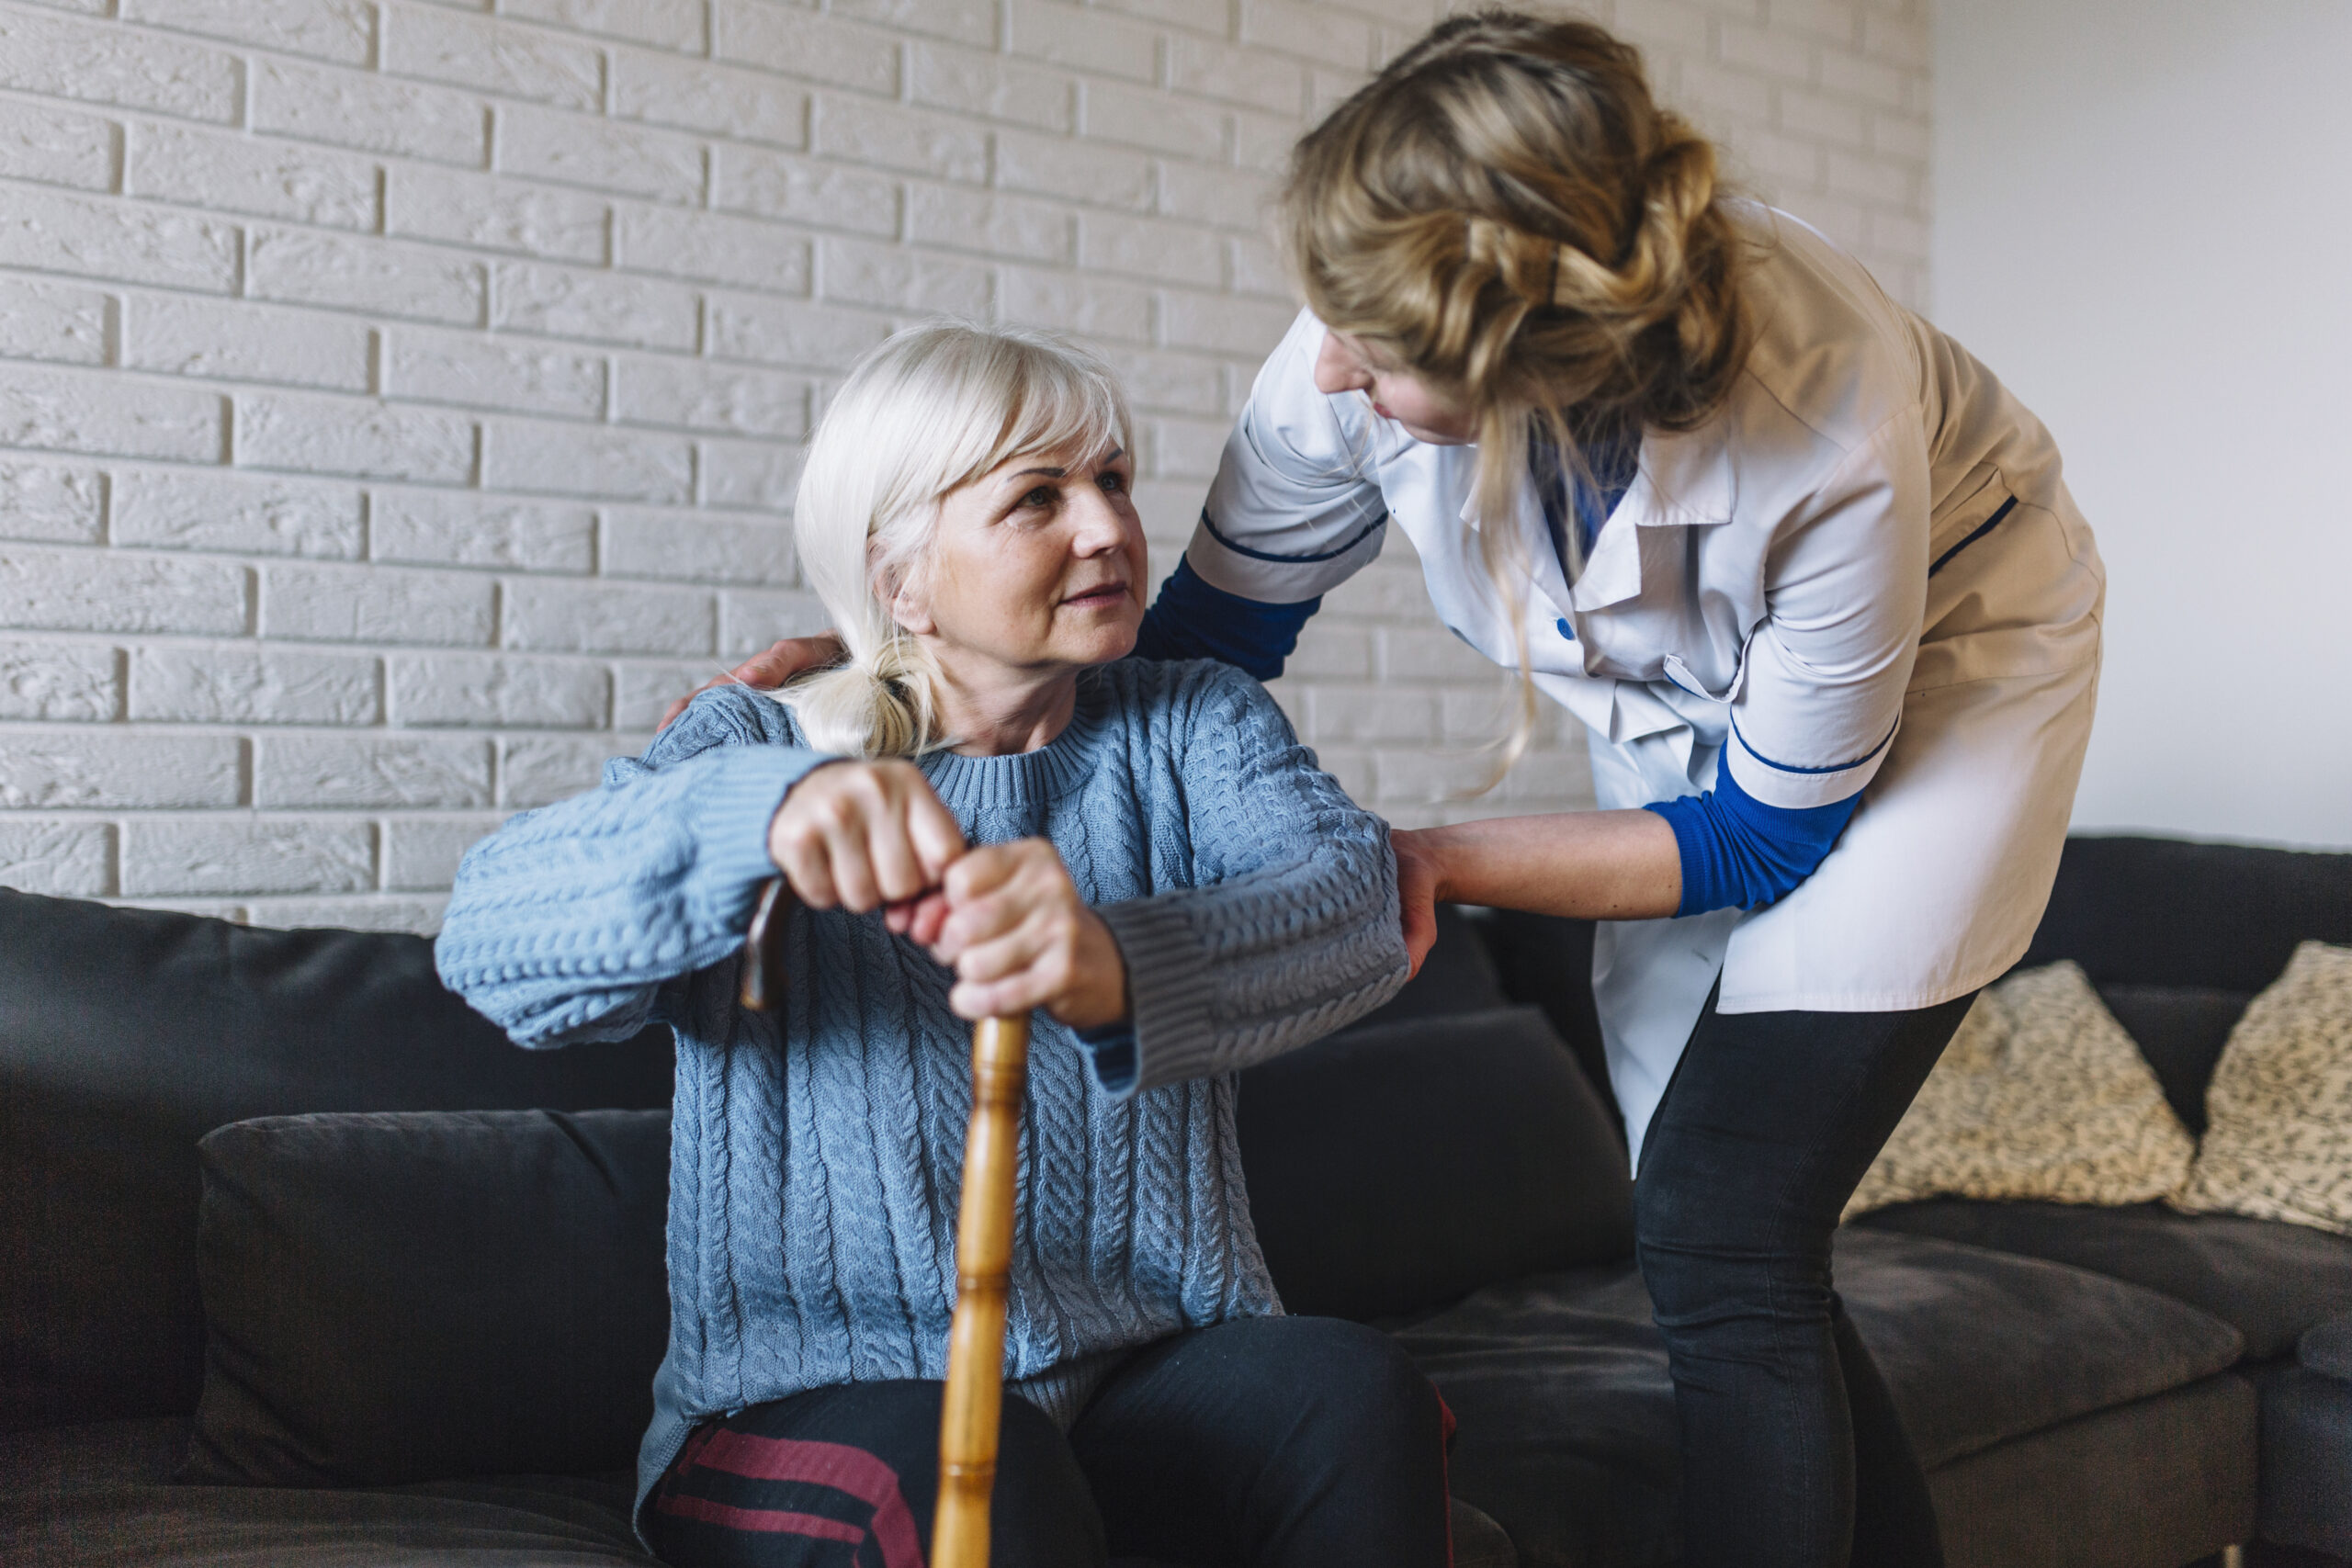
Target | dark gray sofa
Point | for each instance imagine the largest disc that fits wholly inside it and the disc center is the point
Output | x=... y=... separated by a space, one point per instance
x=2124 y=1387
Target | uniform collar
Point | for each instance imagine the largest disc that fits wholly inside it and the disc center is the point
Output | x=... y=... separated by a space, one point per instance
x=1685 y=480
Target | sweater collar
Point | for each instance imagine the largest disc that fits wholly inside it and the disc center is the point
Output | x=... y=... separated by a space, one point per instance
x=1025 y=778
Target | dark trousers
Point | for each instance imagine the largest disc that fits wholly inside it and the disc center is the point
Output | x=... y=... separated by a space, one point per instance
x=1791 y=1453
x=1270 y=1442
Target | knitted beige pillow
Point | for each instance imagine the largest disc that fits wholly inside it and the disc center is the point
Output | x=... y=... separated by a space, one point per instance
x=2279 y=1112
x=2041 y=1094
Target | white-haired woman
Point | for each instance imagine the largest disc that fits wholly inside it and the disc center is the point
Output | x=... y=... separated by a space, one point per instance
x=1161 y=870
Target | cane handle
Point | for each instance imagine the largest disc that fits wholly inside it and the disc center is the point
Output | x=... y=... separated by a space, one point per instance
x=761 y=985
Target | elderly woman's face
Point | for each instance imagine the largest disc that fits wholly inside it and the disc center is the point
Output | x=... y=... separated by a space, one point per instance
x=1036 y=564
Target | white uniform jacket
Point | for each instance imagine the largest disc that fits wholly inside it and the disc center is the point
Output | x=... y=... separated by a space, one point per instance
x=1863 y=573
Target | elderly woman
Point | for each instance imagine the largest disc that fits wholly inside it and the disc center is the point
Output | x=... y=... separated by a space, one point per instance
x=987 y=808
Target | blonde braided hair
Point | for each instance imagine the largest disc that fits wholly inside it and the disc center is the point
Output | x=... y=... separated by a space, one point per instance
x=1508 y=212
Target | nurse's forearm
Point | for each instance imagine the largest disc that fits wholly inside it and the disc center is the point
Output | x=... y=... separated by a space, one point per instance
x=1602 y=865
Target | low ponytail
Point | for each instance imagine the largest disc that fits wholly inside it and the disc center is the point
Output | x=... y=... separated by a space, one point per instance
x=880 y=706
x=928 y=411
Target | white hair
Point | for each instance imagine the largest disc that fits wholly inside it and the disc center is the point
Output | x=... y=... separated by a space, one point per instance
x=930 y=409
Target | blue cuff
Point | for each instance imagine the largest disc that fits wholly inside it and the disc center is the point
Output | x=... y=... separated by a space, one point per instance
x=1738 y=853
x=1191 y=619
x=1111 y=1049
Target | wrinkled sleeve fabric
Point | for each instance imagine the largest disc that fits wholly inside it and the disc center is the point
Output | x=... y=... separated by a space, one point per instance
x=1294 y=511
x=1738 y=853
x=568 y=922
x=1823 y=678
x=1290 y=929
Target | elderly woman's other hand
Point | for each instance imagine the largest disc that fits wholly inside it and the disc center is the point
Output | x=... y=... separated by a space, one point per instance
x=861 y=835
x=767 y=671
x=1010 y=922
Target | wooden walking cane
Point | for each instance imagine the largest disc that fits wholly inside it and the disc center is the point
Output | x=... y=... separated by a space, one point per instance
x=973 y=1406
x=974 y=1399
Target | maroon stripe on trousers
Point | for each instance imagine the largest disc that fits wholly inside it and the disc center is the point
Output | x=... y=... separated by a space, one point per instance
x=767 y=1521
x=836 y=1465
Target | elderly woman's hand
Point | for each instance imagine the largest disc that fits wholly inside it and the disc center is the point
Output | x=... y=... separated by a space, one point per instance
x=861 y=835
x=1011 y=923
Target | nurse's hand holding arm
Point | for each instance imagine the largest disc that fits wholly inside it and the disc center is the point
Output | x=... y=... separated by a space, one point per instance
x=1595 y=865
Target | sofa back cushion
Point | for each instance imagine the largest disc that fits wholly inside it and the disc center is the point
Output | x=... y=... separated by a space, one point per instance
x=2180 y=1030
x=2167 y=912
x=1396 y=1167
x=125 y=1036
x=1545 y=961
x=391 y=1297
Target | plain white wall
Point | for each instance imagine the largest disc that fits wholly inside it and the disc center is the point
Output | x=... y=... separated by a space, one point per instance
x=2144 y=224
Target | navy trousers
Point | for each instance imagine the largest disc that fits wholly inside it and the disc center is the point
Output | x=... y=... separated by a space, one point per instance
x=1263 y=1442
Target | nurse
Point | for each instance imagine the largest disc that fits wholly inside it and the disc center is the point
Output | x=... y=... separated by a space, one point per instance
x=1810 y=578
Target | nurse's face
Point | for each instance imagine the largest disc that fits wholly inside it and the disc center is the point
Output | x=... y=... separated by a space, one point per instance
x=1350 y=365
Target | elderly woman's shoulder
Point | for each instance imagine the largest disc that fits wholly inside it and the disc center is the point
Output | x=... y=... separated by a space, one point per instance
x=730 y=713
x=1187 y=691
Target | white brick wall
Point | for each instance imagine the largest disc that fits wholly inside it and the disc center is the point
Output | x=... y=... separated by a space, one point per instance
x=398 y=398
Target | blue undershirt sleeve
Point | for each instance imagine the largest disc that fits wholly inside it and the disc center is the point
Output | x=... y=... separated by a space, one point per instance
x=1191 y=619
x=1738 y=853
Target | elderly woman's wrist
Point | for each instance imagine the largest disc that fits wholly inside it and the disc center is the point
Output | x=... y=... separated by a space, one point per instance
x=1099 y=1000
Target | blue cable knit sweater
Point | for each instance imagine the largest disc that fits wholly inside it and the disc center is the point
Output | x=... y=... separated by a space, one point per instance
x=814 y=1159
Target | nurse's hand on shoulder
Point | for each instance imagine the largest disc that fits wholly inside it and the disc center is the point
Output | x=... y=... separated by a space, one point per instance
x=1011 y=924
x=770 y=670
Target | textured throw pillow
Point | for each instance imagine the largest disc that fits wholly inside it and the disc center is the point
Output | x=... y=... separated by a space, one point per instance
x=2041 y=1095
x=391 y=1297
x=2278 y=1115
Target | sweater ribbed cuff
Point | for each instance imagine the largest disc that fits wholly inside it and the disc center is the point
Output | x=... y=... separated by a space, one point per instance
x=1167 y=993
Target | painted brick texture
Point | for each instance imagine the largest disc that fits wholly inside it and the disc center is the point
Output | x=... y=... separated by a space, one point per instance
x=399 y=400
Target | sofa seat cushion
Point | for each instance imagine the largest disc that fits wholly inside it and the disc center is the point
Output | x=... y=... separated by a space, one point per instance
x=1567 y=1432
x=2306 y=1458
x=2269 y=1280
x=100 y=1496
